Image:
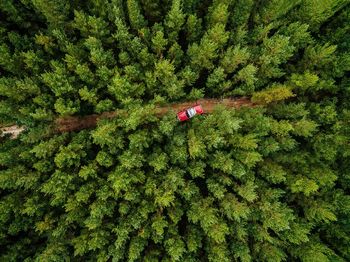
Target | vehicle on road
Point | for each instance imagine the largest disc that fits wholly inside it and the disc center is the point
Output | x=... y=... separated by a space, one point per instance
x=188 y=113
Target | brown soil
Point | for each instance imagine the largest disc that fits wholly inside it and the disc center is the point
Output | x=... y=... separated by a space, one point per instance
x=13 y=130
x=72 y=123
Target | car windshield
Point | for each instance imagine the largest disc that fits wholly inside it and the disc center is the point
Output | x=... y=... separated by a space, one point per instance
x=191 y=112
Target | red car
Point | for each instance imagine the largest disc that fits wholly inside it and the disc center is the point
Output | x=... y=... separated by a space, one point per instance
x=189 y=113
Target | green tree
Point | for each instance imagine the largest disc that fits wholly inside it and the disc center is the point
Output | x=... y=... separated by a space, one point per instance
x=268 y=181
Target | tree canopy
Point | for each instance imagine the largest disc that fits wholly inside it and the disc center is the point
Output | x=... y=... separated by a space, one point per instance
x=269 y=183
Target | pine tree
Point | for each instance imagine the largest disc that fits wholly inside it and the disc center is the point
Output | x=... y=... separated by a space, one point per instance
x=268 y=181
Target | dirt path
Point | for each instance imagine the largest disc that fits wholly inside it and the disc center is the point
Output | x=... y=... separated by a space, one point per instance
x=73 y=123
x=13 y=130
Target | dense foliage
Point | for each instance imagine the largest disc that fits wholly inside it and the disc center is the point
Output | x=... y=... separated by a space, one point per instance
x=270 y=183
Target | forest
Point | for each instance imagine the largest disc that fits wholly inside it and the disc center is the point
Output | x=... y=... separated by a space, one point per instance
x=269 y=181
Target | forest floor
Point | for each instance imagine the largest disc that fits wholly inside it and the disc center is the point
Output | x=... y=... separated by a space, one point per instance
x=74 y=123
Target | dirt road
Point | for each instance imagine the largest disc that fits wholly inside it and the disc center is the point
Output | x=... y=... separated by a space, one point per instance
x=73 y=123
x=13 y=130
